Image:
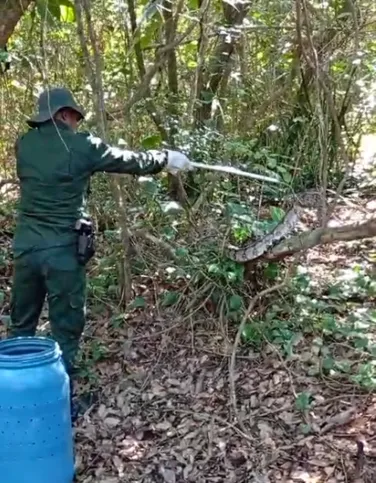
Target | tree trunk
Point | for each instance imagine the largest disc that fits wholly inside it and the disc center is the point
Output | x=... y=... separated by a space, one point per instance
x=176 y=186
x=11 y=12
x=150 y=106
x=94 y=73
x=234 y=15
x=172 y=70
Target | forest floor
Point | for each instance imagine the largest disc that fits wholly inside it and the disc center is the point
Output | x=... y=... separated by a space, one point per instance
x=165 y=411
x=166 y=415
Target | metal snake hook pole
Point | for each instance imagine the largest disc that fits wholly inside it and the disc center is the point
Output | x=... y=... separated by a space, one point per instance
x=236 y=171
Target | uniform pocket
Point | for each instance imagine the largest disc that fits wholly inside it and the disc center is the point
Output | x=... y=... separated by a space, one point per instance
x=62 y=259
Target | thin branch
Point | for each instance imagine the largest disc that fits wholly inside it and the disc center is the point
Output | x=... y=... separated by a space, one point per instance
x=151 y=108
x=160 y=59
x=203 y=42
x=159 y=242
x=232 y=362
x=98 y=80
x=324 y=81
x=94 y=69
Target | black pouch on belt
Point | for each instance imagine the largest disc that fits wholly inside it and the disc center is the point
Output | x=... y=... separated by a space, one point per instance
x=85 y=240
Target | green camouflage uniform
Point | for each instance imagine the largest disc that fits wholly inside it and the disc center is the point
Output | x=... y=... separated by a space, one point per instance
x=54 y=165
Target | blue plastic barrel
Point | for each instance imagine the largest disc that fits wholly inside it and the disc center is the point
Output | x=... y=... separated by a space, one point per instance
x=36 y=440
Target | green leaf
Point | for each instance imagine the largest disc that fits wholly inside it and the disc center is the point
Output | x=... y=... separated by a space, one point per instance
x=328 y=363
x=151 y=142
x=277 y=213
x=272 y=163
x=49 y=10
x=361 y=343
x=60 y=10
x=206 y=97
x=150 y=10
x=272 y=270
x=236 y=209
x=372 y=350
x=2 y=298
x=67 y=13
x=344 y=366
x=214 y=268
x=169 y=233
x=241 y=234
x=138 y=303
x=305 y=429
x=170 y=298
x=251 y=333
x=287 y=177
x=4 y=56
x=235 y=302
x=303 y=401
x=181 y=252
x=193 y=4
x=149 y=184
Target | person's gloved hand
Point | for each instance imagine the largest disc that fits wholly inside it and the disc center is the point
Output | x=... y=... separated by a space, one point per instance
x=178 y=162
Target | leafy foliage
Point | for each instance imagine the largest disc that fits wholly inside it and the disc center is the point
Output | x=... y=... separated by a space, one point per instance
x=271 y=87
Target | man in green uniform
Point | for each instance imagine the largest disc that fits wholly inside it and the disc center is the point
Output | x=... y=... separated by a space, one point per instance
x=54 y=165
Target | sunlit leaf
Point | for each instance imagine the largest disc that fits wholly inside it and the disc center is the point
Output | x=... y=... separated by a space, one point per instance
x=67 y=13
x=151 y=142
x=56 y=10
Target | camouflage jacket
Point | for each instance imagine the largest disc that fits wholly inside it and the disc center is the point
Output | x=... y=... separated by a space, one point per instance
x=54 y=165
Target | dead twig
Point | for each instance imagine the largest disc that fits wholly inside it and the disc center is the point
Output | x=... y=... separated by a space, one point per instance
x=249 y=310
x=360 y=460
x=339 y=420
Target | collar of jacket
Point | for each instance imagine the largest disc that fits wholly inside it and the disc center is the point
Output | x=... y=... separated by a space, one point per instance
x=51 y=126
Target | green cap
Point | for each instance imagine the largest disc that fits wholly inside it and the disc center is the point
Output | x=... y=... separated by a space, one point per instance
x=50 y=102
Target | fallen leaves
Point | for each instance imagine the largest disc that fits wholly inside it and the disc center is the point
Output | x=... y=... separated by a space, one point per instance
x=178 y=425
x=165 y=414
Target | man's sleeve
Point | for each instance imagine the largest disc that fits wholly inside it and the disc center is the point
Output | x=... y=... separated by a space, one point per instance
x=16 y=153
x=105 y=158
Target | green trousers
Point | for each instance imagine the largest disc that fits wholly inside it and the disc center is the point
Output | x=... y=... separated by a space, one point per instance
x=55 y=273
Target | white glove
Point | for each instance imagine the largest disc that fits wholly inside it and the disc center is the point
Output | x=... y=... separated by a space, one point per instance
x=178 y=162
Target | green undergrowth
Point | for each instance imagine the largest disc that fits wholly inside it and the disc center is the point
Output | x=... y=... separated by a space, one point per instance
x=330 y=329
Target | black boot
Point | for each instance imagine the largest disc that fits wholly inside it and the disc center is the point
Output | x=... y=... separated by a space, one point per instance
x=73 y=403
x=80 y=404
